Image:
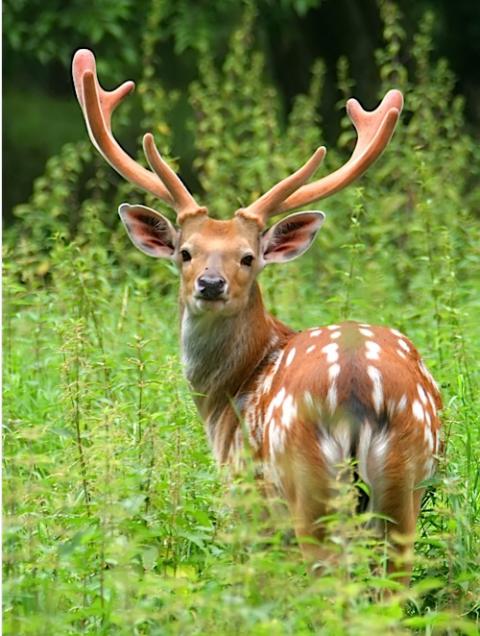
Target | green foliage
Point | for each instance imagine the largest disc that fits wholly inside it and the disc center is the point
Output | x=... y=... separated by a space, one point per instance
x=50 y=30
x=117 y=522
x=47 y=30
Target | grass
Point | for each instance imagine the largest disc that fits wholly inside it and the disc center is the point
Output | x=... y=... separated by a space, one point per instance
x=117 y=521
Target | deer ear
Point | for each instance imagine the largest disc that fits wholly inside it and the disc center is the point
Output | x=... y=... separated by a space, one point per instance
x=149 y=230
x=290 y=237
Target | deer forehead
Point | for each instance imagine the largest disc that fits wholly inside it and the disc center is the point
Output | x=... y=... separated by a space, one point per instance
x=221 y=237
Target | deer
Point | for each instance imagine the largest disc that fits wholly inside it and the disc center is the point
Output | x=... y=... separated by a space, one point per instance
x=302 y=402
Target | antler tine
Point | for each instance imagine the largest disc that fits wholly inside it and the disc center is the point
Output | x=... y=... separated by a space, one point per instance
x=184 y=202
x=374 y=129
x=267 y=204
x=97 y=106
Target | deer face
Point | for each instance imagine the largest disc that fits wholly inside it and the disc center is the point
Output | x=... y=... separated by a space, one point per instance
x=219 y=260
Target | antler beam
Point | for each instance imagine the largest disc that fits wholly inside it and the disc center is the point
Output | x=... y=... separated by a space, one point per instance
x=97 y=106
x=374 y=130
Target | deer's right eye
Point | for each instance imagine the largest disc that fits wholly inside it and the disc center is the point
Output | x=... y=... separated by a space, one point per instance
x=247 y=260
x=186 y=256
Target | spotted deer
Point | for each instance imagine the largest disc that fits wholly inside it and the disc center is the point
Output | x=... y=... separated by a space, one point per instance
x=307 y=401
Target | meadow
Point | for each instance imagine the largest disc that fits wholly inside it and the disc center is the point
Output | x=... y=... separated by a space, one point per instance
x=116 y=519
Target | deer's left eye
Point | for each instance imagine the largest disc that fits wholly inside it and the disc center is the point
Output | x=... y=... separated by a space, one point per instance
x=186 y=256
x=247 y=260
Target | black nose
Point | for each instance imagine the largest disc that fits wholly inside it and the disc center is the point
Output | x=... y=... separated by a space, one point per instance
x=211 y=287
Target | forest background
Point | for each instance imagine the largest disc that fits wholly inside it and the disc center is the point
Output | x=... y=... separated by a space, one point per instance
x=116 y=519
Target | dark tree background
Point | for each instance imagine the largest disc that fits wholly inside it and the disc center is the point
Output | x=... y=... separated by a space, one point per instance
x=41 y=114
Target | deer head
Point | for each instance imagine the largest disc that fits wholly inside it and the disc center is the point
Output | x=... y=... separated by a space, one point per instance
x=219 y=260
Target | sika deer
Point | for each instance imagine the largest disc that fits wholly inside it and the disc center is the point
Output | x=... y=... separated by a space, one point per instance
x=309 y=400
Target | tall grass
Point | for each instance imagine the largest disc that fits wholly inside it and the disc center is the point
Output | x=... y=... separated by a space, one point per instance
x=117 y=521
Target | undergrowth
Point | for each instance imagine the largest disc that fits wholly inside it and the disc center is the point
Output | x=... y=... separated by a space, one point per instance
x=117 y=521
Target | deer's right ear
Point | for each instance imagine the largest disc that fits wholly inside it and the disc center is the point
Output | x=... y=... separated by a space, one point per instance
x=149 y=230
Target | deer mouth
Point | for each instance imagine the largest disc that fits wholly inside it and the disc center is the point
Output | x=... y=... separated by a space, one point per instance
x=202 y=304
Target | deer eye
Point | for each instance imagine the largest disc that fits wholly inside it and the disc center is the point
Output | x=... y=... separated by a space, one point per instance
x=186 y=256
x=247 y=260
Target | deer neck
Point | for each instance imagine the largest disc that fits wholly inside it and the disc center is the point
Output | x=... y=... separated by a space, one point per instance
x=222 y=353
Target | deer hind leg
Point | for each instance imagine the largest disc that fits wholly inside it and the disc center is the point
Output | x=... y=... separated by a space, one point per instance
x=309 y=503
x=399 y=502
x=317 y=489
x=310 y=533
x=398 y=506
x=387 y=468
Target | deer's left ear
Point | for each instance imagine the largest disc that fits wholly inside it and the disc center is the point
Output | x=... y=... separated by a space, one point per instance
x=149 y=230
x=290 y=237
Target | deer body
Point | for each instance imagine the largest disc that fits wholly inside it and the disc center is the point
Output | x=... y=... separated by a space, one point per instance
x=303 y=403
x=318 y=399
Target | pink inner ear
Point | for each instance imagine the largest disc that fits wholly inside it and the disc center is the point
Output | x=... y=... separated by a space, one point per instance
x=148 y=233
x=292 y=236
x=149 y=230
x=285 y=247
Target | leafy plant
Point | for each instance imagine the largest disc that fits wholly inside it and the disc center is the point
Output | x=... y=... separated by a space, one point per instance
x=116 y=520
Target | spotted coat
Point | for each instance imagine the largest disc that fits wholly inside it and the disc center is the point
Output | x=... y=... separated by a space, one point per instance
x=345 y=391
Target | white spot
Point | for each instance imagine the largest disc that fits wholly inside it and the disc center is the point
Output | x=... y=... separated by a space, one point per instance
x=267 y=385
x=289 y=411
x=372 y=452
x=311 y=348
x=417 y=410
x=377 y=394
x=432 y=403
x=329 y=449
x=269 y=413
x=363 y=450
x=397 y=333
x=278 y=399
x=276 y=438
x=335 y=334
x=402 y=404
x=315 y=333
x=373 y=350
x=428 y=418
x=428 y=375
x=421 y=394
x=364 y=324
x=403 y=345
x=336 y=445
x=427 y=434
x=368 y=333
x=333 y=372
x=401 y=354
x=437 y=443
x=290 y=357
x=333 y=327
x=331 y=351
x=332 y=396
x=429 y=467
x=424 y=370
x=275 y=403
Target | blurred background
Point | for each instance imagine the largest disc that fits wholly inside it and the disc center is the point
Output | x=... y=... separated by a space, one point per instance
x=171 y=39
